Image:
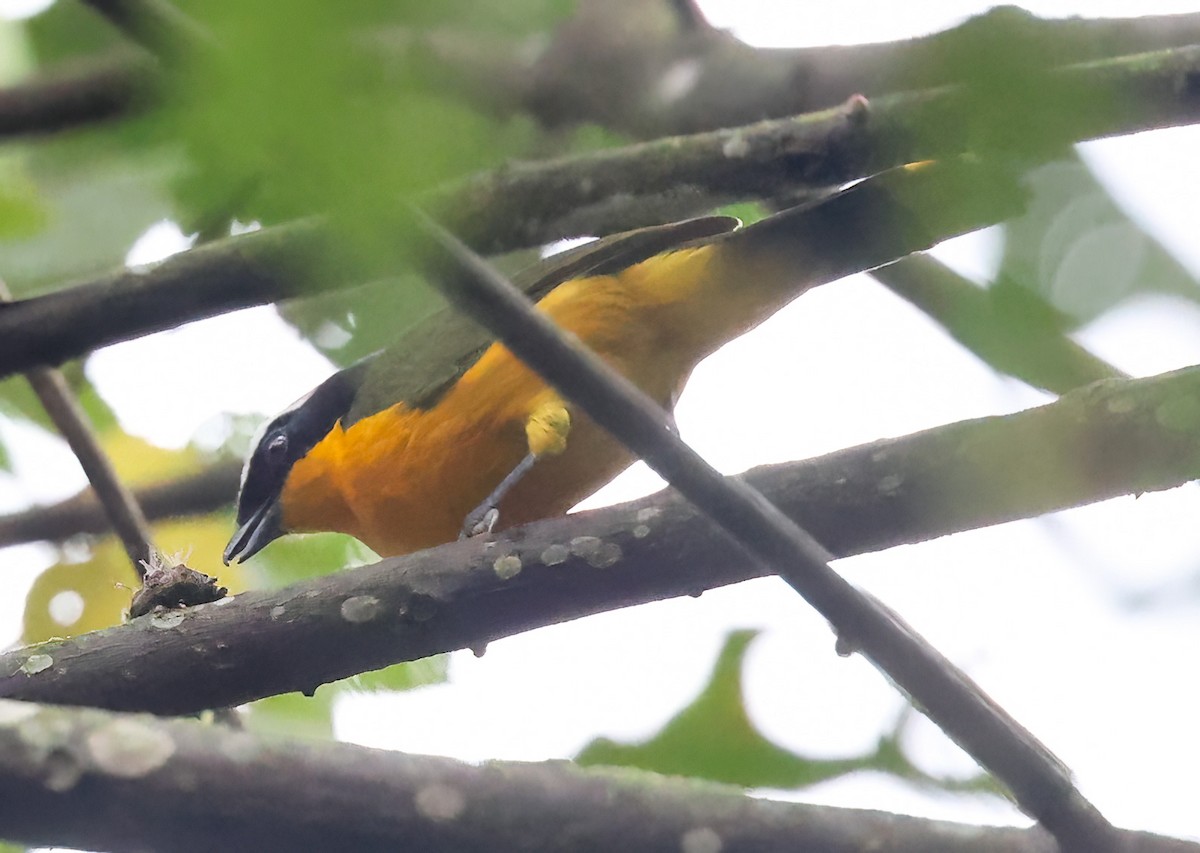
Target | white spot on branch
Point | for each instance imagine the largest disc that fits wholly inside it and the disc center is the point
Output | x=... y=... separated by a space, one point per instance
x=702 y=839
x=508 y=566
x=440 y=803
x=361 y=608
x=130 y=748
x=37 y=663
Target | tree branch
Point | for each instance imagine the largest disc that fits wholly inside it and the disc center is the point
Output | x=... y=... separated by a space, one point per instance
x=74 y=96
x=528 y=204
x=516 y=206
x=92 y=779
x=207 y=491
x=622 y=68
x=1038 y=780
x=120 y=507
x=1113 y=438
x=252 y=269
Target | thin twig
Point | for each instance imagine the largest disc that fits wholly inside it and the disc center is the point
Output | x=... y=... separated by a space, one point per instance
x=1041 y=784
x=119 y=503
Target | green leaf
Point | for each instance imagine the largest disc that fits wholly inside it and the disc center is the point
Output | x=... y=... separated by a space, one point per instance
x=16 y=52
x=748 y=211
x=69 y=30
x=714 y=738
x=346 y=325
x=98 y=192
x=22 y=213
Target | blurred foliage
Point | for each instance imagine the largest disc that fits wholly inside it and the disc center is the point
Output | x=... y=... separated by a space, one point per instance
x=68 y=30
x=22 y=212
x=95 y=193
x=714 y=738
x=292 y=115
x=296 y=558
x=1080 y=251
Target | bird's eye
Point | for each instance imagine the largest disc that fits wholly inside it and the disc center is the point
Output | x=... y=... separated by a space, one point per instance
x=277 y=448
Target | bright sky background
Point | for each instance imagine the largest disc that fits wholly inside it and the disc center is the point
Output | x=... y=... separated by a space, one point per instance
x=1112 y=691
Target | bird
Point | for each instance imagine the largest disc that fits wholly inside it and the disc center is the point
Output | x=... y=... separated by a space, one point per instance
x=445 y=433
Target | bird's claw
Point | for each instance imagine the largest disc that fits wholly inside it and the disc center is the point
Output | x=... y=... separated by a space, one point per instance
x=479 y=522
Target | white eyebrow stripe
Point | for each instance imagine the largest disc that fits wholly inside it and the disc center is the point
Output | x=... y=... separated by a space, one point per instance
x=261 y=433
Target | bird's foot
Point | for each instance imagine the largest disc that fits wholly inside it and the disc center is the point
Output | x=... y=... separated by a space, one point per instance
x=480 y=521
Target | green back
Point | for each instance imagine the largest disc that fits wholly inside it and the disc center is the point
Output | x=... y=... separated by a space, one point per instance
x=429 y=358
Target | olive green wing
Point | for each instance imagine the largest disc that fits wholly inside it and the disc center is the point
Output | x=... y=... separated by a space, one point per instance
x=426 y=361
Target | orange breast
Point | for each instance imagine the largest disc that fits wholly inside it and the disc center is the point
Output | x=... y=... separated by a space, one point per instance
x=403 y=479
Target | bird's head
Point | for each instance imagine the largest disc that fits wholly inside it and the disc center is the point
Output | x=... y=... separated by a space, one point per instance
x=279 y=445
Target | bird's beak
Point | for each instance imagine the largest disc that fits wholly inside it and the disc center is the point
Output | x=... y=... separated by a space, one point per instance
x=261 y=529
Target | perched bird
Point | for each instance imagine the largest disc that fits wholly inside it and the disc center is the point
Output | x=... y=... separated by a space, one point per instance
x=444 y=430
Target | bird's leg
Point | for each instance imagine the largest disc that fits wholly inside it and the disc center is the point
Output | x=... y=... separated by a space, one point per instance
x=546 y=433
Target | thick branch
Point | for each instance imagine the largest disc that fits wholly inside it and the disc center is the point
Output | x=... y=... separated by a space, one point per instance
x=517 y=206
x=92 y=779
x=207 y=491
x=239 y=272
x=1114 y=438
x=631 y=69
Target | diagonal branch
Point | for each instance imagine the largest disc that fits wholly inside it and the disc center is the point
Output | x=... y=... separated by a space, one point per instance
x=119 y=504
x=92 y=779
x=1042 y=786
x=1114 y=438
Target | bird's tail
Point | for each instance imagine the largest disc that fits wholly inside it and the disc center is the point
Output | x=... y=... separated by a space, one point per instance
x=752 y=272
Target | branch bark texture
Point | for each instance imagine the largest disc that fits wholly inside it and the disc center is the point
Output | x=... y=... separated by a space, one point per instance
x=1113 y=438
x=121 y=782
x=530 y=204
